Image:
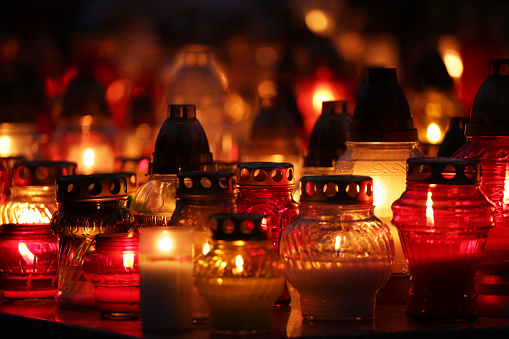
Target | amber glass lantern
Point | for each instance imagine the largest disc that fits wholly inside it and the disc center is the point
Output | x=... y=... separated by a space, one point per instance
x=378 y=144
x=113 y=269
x=443 y=220
x=336 y=253
x=181 y=145
x=241 y=277
x=488 y=141
x=88 y=205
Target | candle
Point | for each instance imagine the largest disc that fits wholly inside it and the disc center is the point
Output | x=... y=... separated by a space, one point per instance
x=93 y=159
x=344 y=289
x=166 y=278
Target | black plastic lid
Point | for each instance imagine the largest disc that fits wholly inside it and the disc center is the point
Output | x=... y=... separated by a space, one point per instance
x=93 y=187
x=443 y=171
x=490 y=111
x=266 y=174
x=327 y=140
x=232 y=227
x=337 y=189
x=41 y=173
x=382 y=113
x=205 y=183
x=181 y=144
x=454 y=137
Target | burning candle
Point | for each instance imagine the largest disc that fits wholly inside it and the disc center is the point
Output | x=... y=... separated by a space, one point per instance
x=240 y=277
x=443 y=220
x=337 y=254
x=166 y=273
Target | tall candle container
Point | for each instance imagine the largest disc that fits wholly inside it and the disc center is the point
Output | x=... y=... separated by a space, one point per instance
x=487 y=136
x=28 y=249
x=267 y=188
x=443 y=220
x=166 y=278
x=88 y=205
x=113 y=269
x=199 y=195
x=181 y=145
x=337 y=254
x=381 y=139
x=241 y=276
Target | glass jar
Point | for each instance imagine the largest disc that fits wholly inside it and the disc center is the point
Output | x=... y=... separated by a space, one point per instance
x=381 y=139
x=267 y=188
x=241 y=277
x=443 y=221
x=88 y=205
x=28 y=248
x=32 y=197
x=337 y=254
x=181 y=145
x=199 y=195
x=28 y=261
x=113 y=269
x=488 y=141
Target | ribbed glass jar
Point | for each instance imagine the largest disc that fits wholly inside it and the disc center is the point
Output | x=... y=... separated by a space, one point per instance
x=337 y=254
x=267 y=188
x=241 y=276
x=28 y=261
x=113 y=269
x=88 y=205
x=443 y=221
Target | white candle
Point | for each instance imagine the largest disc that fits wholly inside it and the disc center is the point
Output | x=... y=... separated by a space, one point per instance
x=166 y=278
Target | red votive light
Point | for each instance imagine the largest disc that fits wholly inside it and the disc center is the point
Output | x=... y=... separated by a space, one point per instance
x=114 y=271
x=443 y=221
x=28 y=261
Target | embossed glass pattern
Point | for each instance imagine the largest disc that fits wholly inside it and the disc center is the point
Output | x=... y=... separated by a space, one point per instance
x=87 y=206
x=385 y=162
x=336 y=254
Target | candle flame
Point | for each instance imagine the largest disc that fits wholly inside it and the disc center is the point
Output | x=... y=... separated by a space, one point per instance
x=316 y=20
x=321 y=94
x=128 y=259
x=430 y=220
x=25 y=253
x=206 y=248
x=239 y=265
x=453 y=63
x=433 y=133
x=88 y=158
x=165 y=244
x=5 y=146
x=506 y=191
x=337 y=245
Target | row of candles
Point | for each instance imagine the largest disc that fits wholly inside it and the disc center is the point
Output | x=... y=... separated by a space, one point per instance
x=335 y=244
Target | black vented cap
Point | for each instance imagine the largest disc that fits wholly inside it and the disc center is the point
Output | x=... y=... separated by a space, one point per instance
x=490 y=111
x=181 y=144
x=382 y=113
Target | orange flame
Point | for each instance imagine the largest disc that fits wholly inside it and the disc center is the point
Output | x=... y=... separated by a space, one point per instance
x=430 y=219
x=25 y=253
x=128 y=259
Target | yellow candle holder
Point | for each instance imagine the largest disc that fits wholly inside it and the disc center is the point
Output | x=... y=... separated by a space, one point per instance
x=241 y=277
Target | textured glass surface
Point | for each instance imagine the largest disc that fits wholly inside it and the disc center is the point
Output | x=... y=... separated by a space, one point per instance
x=29 y=205
x=386 y=164
x=28 y=261
x=443 y=229
x=337 y=258
x=240 y=281
x=116 y=278
x=155 y=201
x=76 y=224
x=493 y=275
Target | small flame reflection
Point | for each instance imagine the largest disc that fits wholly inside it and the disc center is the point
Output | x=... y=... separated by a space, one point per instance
x=337 y=245
x=239 y=265
x=206 y=248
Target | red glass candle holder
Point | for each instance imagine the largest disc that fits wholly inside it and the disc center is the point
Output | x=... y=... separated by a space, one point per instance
x=114 y=271
x=28 y=261
x=443 y=221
